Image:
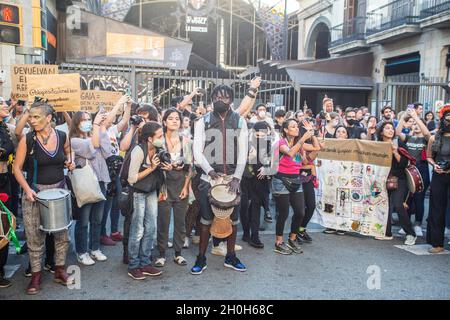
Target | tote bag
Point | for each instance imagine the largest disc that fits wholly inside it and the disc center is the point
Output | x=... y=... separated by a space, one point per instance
x=85 y=185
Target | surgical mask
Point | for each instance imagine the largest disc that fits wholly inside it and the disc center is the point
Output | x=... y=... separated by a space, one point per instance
x=158 y=143
x=86 y=126
x=6 y=119
x=262 y=114
x=220 y=107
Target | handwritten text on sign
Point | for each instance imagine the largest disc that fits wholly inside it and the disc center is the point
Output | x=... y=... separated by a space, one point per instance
x=19 y=74
x=92 y=99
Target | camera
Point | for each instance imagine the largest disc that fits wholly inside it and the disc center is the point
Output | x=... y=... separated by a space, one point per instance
x=445 y=165
x=136 y=120
x=163 y=156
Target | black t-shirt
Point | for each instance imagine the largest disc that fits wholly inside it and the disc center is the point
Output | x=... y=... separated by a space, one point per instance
x=398 y=168
x=415 y=146
x=431 y=125
x=355 y=132
x=6 y=142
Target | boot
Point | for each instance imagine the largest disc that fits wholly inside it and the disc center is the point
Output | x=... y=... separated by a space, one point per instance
x=125 y=254
x=35 y=283
x=61 y=276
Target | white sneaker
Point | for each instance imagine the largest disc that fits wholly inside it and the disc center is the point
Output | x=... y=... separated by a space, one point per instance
x=384 y=238
x=85 y=259
x=410 y=240
x=169 y=244
x=98 y=255
x=186 y=243
x=418 y=231
x=195 y=239
x=402 y=232
x=220 y=250
x=160 y=262
x=237 y=247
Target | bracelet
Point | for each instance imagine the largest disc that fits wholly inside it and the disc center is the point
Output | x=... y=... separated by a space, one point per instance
x=255 y=90
x=251 y=95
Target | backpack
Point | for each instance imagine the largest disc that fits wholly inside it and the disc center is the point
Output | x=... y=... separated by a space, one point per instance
x=126 y=165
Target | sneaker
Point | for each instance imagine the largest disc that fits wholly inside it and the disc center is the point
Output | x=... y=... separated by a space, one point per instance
x=237 y=247
x=329 y=231
x=299 y=240
x=27 y=272
x=402 y=232
x=410 y=240
x=199 y=266
x=341 y=232
x=384 y=238
x=435 y=250
x=49 y=267
x=418 y=231
x=160 y=262
x=282 y=248
x=304 y=236
x=268 y=217
x=295 y=247
x=186 y=243
x=5 y=283
x=148 y=270
x=116 y=236
x=107 y=241
x=85 y=259
x=220 y=250
x=234 y=263
x=98 y=255
x=136 y=274
x=256 y=243
x=169 y=244
x=195 y=239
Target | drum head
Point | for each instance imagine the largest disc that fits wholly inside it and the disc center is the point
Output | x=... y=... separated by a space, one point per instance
x=52 y=194
x=220 y=193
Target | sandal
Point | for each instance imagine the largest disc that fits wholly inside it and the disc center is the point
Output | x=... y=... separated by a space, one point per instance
x=160 y=262
x=179 y=260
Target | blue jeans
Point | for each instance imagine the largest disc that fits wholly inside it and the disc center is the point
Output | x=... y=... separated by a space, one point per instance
x=142 y=229
x=111 y=206
x=90 y=214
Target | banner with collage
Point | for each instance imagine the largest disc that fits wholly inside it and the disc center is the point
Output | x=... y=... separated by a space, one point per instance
x=352 y=193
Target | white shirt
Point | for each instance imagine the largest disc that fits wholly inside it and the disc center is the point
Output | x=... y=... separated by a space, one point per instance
x=199 y=146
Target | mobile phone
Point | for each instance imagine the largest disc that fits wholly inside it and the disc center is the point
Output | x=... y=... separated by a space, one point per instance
x=395 y=141
x=201 y=91
x=101 y=109
x=128 y=91
x=410 y=106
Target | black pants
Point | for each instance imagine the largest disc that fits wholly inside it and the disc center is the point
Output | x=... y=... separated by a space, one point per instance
x=259 y=191
x=417 y=201
x=310 y=202
x=297 y=202
x=439 y=202
x=244 y=214
x=396 y=199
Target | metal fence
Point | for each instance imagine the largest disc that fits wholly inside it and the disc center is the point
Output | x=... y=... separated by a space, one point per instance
x=400 y=94
x=147 y=84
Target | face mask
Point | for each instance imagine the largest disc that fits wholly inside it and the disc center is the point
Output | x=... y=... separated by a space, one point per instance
x=158 y=143
x=262 y=114
x=221 y=107
x=446 y=126
x=6 y=120
x=352 y=122
x=86 y=126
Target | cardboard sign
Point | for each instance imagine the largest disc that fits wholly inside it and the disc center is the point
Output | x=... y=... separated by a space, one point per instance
x=91 y=99
x=62 y=90
x=19 y=74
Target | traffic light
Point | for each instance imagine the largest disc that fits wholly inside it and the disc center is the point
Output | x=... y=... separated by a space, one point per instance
x=39 y=24
x=10 y=24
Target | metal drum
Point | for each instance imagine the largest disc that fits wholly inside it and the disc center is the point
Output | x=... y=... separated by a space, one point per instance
x=55 y=210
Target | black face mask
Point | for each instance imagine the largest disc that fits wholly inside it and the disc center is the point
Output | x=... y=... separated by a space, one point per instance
x=220 y=106
x=352 y=122
x=446 y=127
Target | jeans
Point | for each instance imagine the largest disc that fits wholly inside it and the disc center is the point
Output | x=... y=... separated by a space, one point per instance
x=142 y=229
x=112 y=209
x=90 y=216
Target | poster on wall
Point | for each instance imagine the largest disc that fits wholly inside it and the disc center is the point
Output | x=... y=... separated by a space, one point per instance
x=352 y=193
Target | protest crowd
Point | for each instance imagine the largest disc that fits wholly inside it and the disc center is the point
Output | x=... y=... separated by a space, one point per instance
x=203 y=172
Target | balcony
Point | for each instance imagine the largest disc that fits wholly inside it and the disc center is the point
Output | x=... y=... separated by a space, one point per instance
x=393 y=21
x=349 y=36
x=435 y=13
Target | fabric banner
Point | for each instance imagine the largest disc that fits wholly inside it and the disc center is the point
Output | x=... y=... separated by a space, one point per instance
x=92 y=99
x=352 y=193
x=62 y=90
x=272 y=18
x=19 y=74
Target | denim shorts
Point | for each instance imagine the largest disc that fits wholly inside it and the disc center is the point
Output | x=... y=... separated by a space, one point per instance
x=279 y=188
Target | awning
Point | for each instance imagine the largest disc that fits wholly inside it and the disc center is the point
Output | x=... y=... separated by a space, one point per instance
x=349 y=72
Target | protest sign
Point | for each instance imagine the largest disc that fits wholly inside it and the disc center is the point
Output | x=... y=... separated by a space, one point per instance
x=19 y=74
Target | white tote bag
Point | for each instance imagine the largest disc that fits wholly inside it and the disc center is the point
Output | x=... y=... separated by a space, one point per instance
x=85 y=185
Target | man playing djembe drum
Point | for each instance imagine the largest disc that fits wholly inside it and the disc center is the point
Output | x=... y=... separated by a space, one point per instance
x=220 y=150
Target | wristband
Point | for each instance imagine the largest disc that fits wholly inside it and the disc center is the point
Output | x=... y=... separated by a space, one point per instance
x=253 y=89
x=251 y=95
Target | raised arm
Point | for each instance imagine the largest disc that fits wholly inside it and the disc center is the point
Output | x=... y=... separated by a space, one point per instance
x=249 y=100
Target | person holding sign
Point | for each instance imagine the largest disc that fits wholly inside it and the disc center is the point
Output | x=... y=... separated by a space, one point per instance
x=396 y=185
x=44 y=152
